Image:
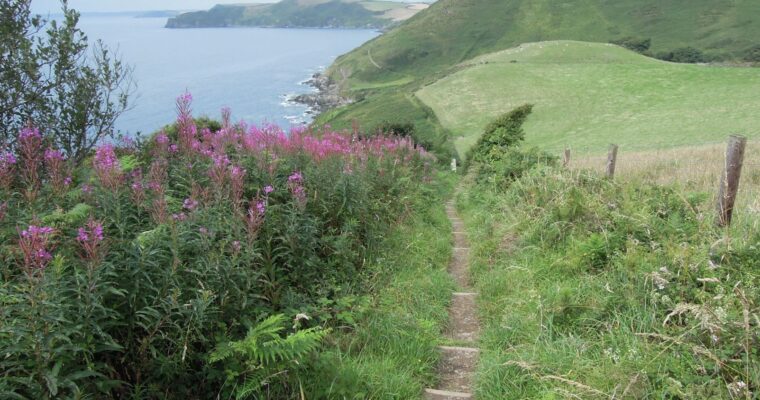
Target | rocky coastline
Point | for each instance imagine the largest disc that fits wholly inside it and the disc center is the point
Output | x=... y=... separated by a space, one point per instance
x=327 y=95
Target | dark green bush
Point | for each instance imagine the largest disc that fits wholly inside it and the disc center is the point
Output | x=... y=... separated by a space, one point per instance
x=638 y=45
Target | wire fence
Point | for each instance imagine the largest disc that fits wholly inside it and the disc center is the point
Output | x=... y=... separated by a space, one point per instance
x=695 y=168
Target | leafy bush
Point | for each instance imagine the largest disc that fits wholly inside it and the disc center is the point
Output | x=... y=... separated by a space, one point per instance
x=689 y=55
x=122 y=278
x=51 y=76
x=636 y=44
x=497 y=155
x=752 y=54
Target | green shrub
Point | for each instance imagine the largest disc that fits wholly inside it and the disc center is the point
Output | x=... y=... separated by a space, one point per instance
x=638 y=45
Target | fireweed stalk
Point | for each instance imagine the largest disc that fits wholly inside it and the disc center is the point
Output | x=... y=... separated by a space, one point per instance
x=34 y=243
x=90 y=239
x=107 y=167
x=7 y=167
x=58 y=174
x=30 y=150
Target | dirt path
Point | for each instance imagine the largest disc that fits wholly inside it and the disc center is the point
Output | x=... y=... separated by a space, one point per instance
x=458 y=363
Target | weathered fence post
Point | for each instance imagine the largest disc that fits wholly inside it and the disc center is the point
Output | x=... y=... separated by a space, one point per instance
x=566 y=158
x=453 y=165
x=611 y=161
x=729 y=180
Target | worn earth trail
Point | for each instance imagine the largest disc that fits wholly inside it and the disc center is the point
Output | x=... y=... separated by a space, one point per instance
x=458 y=363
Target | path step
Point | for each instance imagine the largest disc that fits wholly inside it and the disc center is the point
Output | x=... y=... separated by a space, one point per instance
x=433 y=394
x=457 y=368
x=463 y=318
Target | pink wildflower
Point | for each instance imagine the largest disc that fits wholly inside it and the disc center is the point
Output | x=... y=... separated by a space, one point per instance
x=34 y=242
x=268 y=189
x=57 y=170
x=107 y=167
x=30 y=149
x=90 y=238
x=7 y=163
x=190 y=204
x=179 y=217
x=237 y=183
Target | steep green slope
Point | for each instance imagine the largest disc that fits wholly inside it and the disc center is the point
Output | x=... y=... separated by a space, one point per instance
x=588 y=95
x=432 y=43
x=451 y=31
x=300 y=13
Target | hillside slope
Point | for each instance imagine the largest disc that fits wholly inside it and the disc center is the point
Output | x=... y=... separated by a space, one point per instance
x=383 y=73
x=301 y=14
x=452 y=31
x=588 y=95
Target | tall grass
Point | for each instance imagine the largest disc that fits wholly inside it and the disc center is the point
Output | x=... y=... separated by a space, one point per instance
x=598 y=289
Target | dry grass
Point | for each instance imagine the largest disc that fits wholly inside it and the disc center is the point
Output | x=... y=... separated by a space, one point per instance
x=696 y=168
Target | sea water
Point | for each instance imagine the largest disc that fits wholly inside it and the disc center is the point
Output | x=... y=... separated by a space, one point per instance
x=250 y=70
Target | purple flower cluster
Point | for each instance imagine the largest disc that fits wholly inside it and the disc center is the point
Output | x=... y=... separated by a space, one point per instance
x=295 y=184
x=7 y=162
x=90 y=238
x=190 y=204
x=57 y=170
x=34 y=243
x=107 y=166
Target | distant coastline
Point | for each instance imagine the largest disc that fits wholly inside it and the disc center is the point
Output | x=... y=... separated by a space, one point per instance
x=294 y=14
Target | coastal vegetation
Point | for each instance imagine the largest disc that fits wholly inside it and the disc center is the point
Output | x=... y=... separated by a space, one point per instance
x=215 y=259
x=431 y=46
x=595 y=288
x=368 y=14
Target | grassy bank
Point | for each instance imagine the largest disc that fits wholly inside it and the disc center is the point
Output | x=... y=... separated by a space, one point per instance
x=390 y=351
x=588 y=95
x=594 y=289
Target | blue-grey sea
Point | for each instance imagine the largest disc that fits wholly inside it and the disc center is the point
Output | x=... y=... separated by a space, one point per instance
x=250 y=70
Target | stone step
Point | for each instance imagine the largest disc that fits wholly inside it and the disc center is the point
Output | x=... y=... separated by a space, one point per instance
x=434 y=394
x=457 y=368
x=463 y=318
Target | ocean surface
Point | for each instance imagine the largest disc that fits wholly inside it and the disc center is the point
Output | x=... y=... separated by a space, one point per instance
x=253 y=71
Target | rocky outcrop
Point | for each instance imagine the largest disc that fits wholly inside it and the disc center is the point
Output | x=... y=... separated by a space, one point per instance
x=325 y=98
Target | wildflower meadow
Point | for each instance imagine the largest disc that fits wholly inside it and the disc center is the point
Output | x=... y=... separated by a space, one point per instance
x=159 y=267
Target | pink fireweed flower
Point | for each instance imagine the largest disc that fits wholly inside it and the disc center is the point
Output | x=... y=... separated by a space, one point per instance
x=295 y=184
x=86 y=189
x=68 y=180
x=107 y=167
x=190 y=204
x=90 y=237
x=34 y=244
x=7 y=163
x=173 y=149
x=186 y=128
x=30 y=149
x=237 y=183
x=57 y=170
x=179 y=217
x=254 y=218
x=218 y=171
x=268 y=189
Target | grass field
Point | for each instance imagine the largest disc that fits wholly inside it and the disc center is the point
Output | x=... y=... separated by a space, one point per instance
x=588 y=95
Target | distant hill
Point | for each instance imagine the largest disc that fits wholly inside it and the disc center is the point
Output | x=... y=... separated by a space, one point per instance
x=384 y=74
x=588 y=95
x=301 y=14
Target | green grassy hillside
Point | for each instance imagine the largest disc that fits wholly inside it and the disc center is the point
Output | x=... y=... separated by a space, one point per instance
x=452 y=31
x=588 y=95
x=431 y=44
x=300 y=13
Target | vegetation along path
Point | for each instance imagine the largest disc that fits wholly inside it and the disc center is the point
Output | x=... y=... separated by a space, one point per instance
x=458 y=361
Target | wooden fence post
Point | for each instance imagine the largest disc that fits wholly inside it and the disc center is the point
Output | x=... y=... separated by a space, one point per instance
x=453 y=165
x=729 y=180
x=566 y=158
x=611 y=161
